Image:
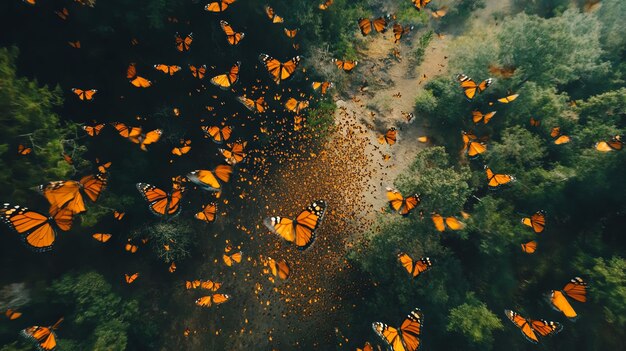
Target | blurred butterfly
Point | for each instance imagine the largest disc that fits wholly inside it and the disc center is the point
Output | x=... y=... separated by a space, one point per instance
x=345 y=65
x=198 y=72
x=218 y=6
x=615 y=144
x=36 y=229
x=575 y=289
x=23 y=150
x=74 y=44
x=367 y=26
x=509 y=98
x=558 y=137
x=215 y=299
x=131 y=247
x=401 y=204
x=101 y=237
x=437 y=14
x=12 y=314
x=423 y=139
x=135 y=80
x=442 y=223
x=172 y=268
x=301 y=230
x=414 y=268
x=136 y=135
x=225 y=81
x=185 y=147
x=322 y=86
x=235 y=152
x=167 y=69
x=406 y=337
x=296 y=106
x=161 y=203
x=494 y=181
x=118 y=215
x=217 y=134
x=66 y=194
x=420 y=4
x=62 y=14
x=103 y=167
x=279 y=71
x=277 y=268
x=272 y=15
x=504 y=72
x=183 y=44
x=258 y=105
x=85 y=95
x=30 y=2
x=530 y=327
x=131 y=278
x=211 y=180
x=399 y=31
x=477 y=116
x=389 y=138
x=470 y=88
x=534 y=122
x=208 y=213
x=537 y=221
x=325 y=5
x=44 y=337
x=230 y=258
x=207 y=285
x=233 y=37
x=93 y=130
x=290 y=33
x=529 y=247
x=472 y=146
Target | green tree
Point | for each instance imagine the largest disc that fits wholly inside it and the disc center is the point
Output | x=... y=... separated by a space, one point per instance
x=475 y=322
x=608 y=288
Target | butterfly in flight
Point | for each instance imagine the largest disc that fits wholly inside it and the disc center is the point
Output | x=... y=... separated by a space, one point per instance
x=135 y=80
x=279 y=71
x=167 y=69
x=301 y=230
x=575 y=289
x=470 y=88
x=230 y=258
x=414 y=268
x=66 y=194
x=277 y=268
x=559 y=138
x=198 y=72
x=227 y=80
x=495 y=180
x=185 y=147
x=508 y=98
x=93 y=130
x=404 y=338
x=217 y=134
x=390 y=137
x=400 y=204
x=130 y=278
x=273 y=16
x=442 y=223
x=399 y=31
x=296 y=106
x=478 y=116
x=537 y=221
x=259 y=105
x=235 y=152
x=208 y=213
x=325 y=5
x=472 y=145
x=218 y=6
x=420 y=4
x=102 y=237
x=211 y=180
x=160 y=203
x=322 y=86
x=183 y=45
x=84 y=95
x=378 y=24
x=23 y=150
x=615 y=144
x=438 y=14
x=529 y=247
x=531 y=328
x=37 y=230
x=12 y=314
x=210 y=300
x=44 y=337
x=291 y=33
x=346 y=65
x=233 y=37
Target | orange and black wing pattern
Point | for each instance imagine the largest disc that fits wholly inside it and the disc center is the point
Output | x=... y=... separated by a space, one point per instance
x=301 y=230
x=36 y=229
x=531 y=329
x=84 y=95
x=227 y=80
x=615 y=144
x=401 y=204
x=414 y=268
x=470 y=88
x=44 y=337
x=211 y=180
x=279 y=71
x=420 y=4
x=161 y=203
x=406 y=338
x=345 y=65
x=495 y=180
x=218 y=6
x=232 y=37
x=183 y=44
x=537 y=221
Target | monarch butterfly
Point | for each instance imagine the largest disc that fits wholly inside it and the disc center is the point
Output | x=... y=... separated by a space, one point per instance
x=258 y=105
x=232 y=258
x=12 y=314
x=322 y=86
x=161 y=203
x=30 y=2
x=477 y=116
x=167 y=69
x=172 y=267
x=210 y=300
x=279 y=71
x=183 y=44
x=225 y=81
x=74 y=44
x=130 y=247
x=472 y=146
x=93 y=130
x=451 y=223
x=537 y=221
x=405 y=338
x=470 y=88
x=272 y=15
x=44 y=337
x=401 y=204
x=137 y=81
x=208 y=285
x=325 y=5
x=301 y=230
x=558 y=137
x=534 y=122
x=66 y=194
x=423 y=139
x=277 y=268
x=102 y=237
x=208 y=213
x=378 y=24
x=183 y=149
x=198 y=72
x=23 y=150
x=233 y=37
x=296 y=106
x=615 y=144
x=211 y=180
x=218 y=6
x=389 y=138
x=530 y=327
x=345 y=65
x=437 y=14
x=131 y=278
x=414 y=268
x=494 y=181
x=37 y=230
x=399 y=31
x=298 y=123
x=146 y=139
x=529 y=247
x=576 y=289
x=291 y=33
x=217 y=134
x=367 y=347
x=63 y=13
x=118 y=215
x=509 y=98
x=236 y=153
x=420 y=4
x=84 y=95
